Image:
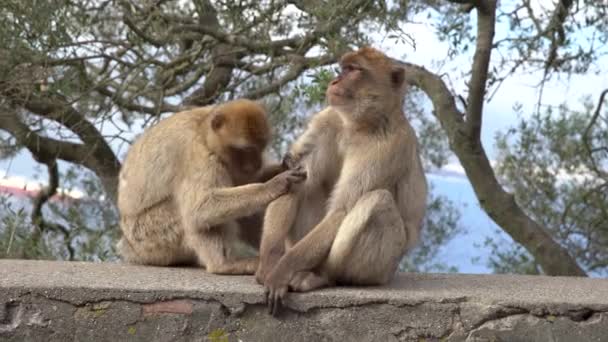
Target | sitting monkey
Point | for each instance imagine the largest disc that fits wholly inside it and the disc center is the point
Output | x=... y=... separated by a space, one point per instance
x=363 y=203
x=188 y=180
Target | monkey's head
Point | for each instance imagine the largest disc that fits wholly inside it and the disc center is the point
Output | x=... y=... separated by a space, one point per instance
x=369 y=82
x=239 y=134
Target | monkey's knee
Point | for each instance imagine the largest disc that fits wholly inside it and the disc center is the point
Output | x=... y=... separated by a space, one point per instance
x=369 y=243
x=380 y=198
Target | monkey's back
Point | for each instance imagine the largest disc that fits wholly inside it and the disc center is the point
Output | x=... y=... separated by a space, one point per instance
x=412 y=188
x=153 y=163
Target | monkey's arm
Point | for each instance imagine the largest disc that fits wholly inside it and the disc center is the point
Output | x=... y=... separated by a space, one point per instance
x=305 y=255
x=303 y=147
x=270 y=171
x=278 y=220
x=318 y=133
x=310 y=251
x=214 y=206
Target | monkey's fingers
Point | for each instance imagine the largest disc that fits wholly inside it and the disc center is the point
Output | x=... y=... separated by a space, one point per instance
x=289 y=161
x=266 y=294
x=270 y=301
x=278 y=301
x=276 y=305
x=299 y=174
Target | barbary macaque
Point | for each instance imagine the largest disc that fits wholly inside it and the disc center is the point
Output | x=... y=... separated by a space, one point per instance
x=192 y=184
x=362 y=205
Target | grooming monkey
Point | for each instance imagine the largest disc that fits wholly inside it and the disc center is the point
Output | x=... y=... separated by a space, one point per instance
x=362 y=204
x=187 y=181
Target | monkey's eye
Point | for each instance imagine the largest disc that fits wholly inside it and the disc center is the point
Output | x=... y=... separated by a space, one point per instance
x=347 y=68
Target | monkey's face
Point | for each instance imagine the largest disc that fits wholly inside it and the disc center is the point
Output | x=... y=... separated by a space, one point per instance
x=342 y=90
x=366 y=78
x=242 y=134
x=247 y=159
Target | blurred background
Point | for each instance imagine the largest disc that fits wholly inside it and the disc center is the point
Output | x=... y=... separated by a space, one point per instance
x=79 y=80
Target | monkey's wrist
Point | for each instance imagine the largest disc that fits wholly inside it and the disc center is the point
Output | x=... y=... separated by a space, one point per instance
x=272 y=255
x=276 y=189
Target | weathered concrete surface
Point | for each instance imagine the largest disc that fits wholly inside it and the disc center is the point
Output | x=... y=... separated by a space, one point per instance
x=55 y=301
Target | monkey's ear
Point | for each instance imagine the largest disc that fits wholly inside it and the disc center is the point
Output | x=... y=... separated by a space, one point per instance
x=397 y=76
x=217 y=121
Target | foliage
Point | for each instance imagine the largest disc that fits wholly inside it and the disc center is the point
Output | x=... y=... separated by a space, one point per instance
x=509 y=258
x=16 y=237
x=83 y=228
x=560 y=180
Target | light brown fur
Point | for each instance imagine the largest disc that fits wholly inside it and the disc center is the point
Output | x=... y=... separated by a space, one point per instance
x=362 y=205
x=188 y=190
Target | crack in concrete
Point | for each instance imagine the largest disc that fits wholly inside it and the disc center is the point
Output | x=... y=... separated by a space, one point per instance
x=503 y=312
x=12 y=313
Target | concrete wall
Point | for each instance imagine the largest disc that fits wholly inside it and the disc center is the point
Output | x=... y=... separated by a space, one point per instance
x=60 y=301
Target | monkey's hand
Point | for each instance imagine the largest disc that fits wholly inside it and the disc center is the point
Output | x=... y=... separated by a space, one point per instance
x=275 y=289
x=271 y=171
x=290 y=161
x=268 y=260
x=293 y=160
x=283 y=182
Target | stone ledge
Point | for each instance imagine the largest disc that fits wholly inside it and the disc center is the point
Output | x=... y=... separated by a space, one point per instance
x=58 y=301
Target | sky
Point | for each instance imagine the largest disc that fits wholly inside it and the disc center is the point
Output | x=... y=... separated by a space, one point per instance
x=450 y=181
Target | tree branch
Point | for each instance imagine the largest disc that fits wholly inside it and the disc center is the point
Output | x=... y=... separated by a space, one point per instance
x=555 y=30
x=587 y=139
x=43 y=148
x=223 y=59
x=479 y=72
x=294 y=71
x=122 y=103
x=97 y=154
x=499 y=204
x=468 y=5
x=47 y=192
x=232 y=47
x=40 y=224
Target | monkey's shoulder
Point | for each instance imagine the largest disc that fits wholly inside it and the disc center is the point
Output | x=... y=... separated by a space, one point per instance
x=328 y=120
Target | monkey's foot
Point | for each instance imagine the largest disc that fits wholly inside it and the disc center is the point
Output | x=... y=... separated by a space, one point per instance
x=246 y=266
x=307 y=281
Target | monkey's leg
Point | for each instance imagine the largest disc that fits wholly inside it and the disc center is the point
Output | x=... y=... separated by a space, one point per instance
x=278 y=220
x=154 y=238
x=148 y=253
x=250 y=229
x=212 y=248
x=369 y=243
x=359 y=238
